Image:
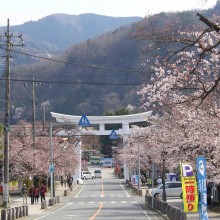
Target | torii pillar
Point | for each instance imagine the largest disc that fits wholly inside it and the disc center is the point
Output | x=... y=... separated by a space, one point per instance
x=125 y=120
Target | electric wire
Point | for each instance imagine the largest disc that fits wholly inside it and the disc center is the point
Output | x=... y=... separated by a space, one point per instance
x=79 y=64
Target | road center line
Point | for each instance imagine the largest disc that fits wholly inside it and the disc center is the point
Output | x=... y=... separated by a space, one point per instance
x=97 y=211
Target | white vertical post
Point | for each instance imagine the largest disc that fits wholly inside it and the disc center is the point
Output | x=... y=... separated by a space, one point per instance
x=80 y=160
x=125 y=131
x=139 y=167
x=78 y=152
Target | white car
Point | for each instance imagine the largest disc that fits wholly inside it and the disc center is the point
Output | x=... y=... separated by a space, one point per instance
x=98 y=174
x=87 y=175
x=172 y=189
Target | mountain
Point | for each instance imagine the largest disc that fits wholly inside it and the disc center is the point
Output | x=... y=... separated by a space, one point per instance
x=54 y=33
x=99 y=74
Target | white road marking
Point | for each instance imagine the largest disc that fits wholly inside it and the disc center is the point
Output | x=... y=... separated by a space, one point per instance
x=53 y=212
x=124 y=190
x=77 y=195
x=134 y=202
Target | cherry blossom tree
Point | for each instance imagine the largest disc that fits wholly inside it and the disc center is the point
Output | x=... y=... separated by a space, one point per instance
x=183 y=134
x=184 y=90
x=189 y=75
x=26 y=160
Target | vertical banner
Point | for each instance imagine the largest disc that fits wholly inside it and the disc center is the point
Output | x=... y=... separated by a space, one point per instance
x=134 y=180
x=189 y=188
x=201 y=178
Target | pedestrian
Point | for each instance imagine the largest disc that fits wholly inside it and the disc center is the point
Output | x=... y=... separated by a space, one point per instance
x=143 y=180
x=61 y=180
x=31 y=193
x=24 y=192
x=43 y=192
x=149 y=182
x=36 y=195
x=70 y=181
x=65 y=180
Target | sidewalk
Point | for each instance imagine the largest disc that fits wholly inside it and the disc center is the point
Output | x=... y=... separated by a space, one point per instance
x=35 y=209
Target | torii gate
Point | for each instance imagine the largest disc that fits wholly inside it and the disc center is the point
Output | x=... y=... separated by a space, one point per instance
x=125 y=120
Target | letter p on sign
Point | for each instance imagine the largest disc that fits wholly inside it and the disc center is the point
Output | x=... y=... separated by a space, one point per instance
x=187 y=170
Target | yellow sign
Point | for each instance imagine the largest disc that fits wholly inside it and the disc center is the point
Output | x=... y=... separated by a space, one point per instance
x=13 y=185
x=189 y=188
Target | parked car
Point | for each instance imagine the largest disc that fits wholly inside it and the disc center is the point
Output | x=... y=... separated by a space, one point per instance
x=98 y=174
x=87 y=175
x=172 y=189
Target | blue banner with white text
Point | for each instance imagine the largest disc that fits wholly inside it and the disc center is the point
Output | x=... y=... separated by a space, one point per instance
x=202 y=187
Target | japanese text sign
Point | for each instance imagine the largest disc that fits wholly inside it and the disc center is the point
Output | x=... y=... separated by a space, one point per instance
x=201 y=178
x=189 y=188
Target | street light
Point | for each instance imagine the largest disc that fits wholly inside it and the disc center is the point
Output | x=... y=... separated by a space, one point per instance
x=163 y=153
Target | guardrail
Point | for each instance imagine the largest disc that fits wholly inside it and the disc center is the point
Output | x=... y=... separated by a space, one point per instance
x=134 y=188
x=14 y=213
x=172 y=212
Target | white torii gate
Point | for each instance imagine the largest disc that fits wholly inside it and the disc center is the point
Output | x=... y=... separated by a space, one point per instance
x=125 y=120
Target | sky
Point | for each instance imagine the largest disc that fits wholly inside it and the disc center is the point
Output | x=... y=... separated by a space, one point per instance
x=21 y=11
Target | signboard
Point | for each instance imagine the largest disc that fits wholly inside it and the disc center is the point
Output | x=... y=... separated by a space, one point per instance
x=201 y=178
x=106 y=162
x=134 y=180
x=51 y=168
x=189 y=188
x=84 y=121
x=113 y=135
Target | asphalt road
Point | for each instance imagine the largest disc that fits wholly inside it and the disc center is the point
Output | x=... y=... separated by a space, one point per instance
x=102 y=199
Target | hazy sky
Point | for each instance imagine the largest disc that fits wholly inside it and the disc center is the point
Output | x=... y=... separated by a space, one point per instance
x=20 y=11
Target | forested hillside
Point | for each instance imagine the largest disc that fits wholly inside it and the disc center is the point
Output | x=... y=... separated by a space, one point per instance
x=99 y=74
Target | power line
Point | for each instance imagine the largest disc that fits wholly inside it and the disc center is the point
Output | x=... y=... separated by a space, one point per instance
x=79 y=82
x=78 y=64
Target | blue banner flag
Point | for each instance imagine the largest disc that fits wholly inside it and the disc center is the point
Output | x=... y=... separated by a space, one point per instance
x=202 y=187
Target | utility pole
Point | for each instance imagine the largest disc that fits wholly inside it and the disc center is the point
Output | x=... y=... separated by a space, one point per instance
x=164 y=173
x=44 y=119
x=8 y=44
x=33 y=112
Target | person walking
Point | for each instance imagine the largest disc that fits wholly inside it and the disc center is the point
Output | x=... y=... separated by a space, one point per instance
x=61 y=180
x=24 y=192
x=36 y=195
x=31 y=194
x=149 y=182
x=65 y=180
x=143 y=180
x=43 y=192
